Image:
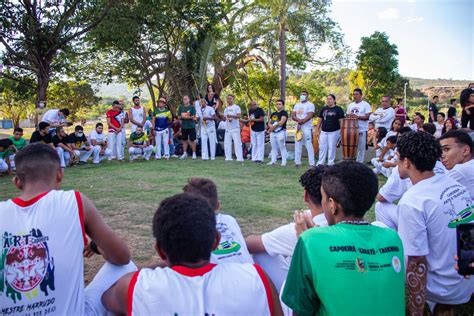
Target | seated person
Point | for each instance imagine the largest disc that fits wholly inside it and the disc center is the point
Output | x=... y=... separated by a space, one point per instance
x=42 y=135
x=418 y=121
x=386 y=166
x=67 y=156
x=349 y=267
x=138 y=145
x=184 y=227
x=280 y=243
x=18 y=144
x=78 y=142
x=98 y=140
x=53 y=226
x=232 y=247
x=6 y=145
x=380 y=134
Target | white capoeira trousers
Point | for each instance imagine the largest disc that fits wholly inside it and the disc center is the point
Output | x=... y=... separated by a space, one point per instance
x=208 y=134
x=162 y=138
x=361 y=147
x=257 y=139
x=307 y=142
x=98 y=157
x=145 y=152
x=64 y=157
x=114 y=143
x=233 y=135
x=327 y=147
x=278 y=142
x=85 y=154
x=387 y=213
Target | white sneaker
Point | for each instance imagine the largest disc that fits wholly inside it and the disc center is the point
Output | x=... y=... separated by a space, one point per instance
x=271 y=163
x=174 y=156
x=194 y=155
x=213 y=158
x=184 y=156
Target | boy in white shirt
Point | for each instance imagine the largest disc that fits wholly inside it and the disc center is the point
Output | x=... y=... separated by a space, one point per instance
x=302 y=114
x=385 y=166
x=98 y=140
x=361 y=111
x=439 y=124
x=458 y=159
x=427 y=217
x=232 y=131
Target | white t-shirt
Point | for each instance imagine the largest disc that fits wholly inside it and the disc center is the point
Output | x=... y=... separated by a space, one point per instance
x=383 y=117
x=52 y=117
x=427 y=227
x=361 y=108
x=302 y=110
x=208 y=111
x=232 y=247
x=222 y=125
x=439 y=129
x=100 y=138
x=464 y=174
x=233 y=123
x=282 y=240
x=383 y=142
x=137 y=115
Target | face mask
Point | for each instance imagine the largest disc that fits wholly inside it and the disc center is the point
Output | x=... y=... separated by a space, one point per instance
x=79 y=134
x=302 y=98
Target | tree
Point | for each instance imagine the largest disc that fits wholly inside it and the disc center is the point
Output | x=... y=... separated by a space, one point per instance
x=377 y=64
x=16 y=99
x=34 y=33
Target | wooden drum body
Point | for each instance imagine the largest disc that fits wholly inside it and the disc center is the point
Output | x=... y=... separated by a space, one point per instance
x=349 y=138
x=315 y=140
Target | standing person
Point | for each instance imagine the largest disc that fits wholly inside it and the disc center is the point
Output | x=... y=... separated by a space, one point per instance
x=208 y=118
x=18 y=144
x=125 y=120
x=187 y=115
x=232 y=130
x=176 y=129
x=42 y=135
x=81 y=146
x=277 y=129
x=137 y=114
x=115 y=122
x=257 y=131
x=212 y=98
x=334 y=268
x=433 y=109
x=139 y=145
x=360 y=110
x=467 y=104
x=400 y=111
x=452 y=109
x=458 y=159
x=383 y=116
x=98 y=140
x=329 y=130
x=45 y=233
x=55 y=118
x=302 y=114
x=184 y=228
x=161 y=124
x=65 y=152
x=427 y=217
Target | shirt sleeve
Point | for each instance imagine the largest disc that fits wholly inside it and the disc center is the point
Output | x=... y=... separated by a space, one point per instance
x=238 y=111
x=280 y=241
x=310 y=107
x=456 y=175
x=412 y=230
x=368 y=109
x=320 y=115
x=340 y=113
x=299 y=292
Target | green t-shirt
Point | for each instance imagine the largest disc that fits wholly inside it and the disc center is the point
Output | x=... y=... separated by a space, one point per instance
x=138 y=139
x=19 y=144
x=347 y=269
x=187 y=124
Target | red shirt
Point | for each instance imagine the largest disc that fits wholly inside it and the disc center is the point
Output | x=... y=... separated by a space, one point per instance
x=114 y=120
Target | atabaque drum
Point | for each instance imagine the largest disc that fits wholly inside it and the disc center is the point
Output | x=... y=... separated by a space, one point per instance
x=315 y=141
x=349 y=138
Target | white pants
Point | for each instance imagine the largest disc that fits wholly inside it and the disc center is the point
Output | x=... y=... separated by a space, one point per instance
x=103 y=280
x=208 y=133
x=306 y=140
x=98 y=157
x=377 y=164
x=114 y=143
x=257 y=139
x=387 y=213
x=124 y=136
x=3 y=165
x=162 y=137
x=278 y=142
x=12 y=161
x=233 y=135
x=327 y=144
x=145 y=152
x=84 y=154
x=361 y=147
x=64 y=157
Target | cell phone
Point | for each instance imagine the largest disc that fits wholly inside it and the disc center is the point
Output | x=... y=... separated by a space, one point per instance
x=465 y=242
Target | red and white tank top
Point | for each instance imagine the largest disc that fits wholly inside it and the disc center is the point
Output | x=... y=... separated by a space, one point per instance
x=41 y=262
x=224 y=289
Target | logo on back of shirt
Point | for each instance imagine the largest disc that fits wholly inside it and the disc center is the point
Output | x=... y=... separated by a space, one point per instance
x=361 y=265
x=228 y=245
x=396 y=264
x=25 y=263
x=450 y=196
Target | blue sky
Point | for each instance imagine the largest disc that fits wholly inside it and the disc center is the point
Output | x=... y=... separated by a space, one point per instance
x=435 y=38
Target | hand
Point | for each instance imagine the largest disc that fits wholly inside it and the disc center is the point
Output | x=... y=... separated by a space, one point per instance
x=88 y=252
x=468 y=112
x=380 y=159
x=387 y=164
x=303 y=222
x=456 y=267
x=353 y=116
x=88 y=148
x=102 y=152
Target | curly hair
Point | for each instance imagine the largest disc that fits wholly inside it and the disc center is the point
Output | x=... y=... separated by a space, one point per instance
x=420 y=148
x=311 y=182
x=184 y=226
x=353 y=185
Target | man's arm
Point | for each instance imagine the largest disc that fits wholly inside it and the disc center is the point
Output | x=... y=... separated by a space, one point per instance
x=131 y=118
x=113 y=248
x=416 y=280
x=255 y=244
x=293 y=117
x=144 y=117
x=308 y=117
x=115 y=299
x=389 y=116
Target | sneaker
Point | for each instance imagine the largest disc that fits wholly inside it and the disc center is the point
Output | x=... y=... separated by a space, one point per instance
x=283 y=164
x=271 y=163
x=194 y=155
x=174 y=156
x=213 y=158
x=240 y=160
x=81 y=163
x=203 y=158
x=184 y=156
x=157 y=158
x=167 y=157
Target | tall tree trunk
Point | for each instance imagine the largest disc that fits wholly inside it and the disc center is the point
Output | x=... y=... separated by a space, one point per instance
x=42 y=87
x=282 y=45
x=149 y=85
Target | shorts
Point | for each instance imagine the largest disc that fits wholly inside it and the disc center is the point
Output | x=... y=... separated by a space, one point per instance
x=188 y=134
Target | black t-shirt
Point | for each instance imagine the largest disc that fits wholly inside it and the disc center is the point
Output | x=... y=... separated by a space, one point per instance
x=212 y=101
x=79 y=142
x=257 y=126
x=276 y=117
x=433 y=108
x=57 y=140
x=331 y=117
x=451 y=112
x=36 y=137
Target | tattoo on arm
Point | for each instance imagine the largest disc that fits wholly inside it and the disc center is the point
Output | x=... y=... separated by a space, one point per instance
x=416 y=280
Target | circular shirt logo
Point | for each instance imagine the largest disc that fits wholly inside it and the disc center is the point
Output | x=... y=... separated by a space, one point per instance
x=396 y=264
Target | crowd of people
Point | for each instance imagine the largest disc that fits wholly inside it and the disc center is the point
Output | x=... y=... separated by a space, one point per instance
x=330 y=260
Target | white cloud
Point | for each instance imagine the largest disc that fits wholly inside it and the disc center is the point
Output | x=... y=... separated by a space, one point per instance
x=390 y=14
x=416 y=19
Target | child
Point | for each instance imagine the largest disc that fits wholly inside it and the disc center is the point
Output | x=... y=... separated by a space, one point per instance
x=5 y=146
x=389 y=160
x=232 y=247
x=18 y=144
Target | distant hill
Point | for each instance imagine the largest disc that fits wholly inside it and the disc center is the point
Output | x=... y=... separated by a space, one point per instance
x=420 y=83
x=120 y=91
